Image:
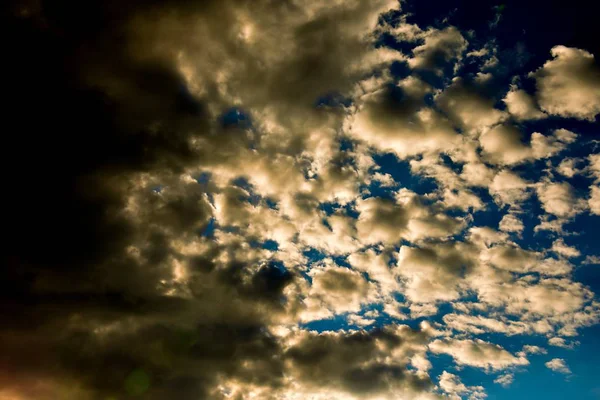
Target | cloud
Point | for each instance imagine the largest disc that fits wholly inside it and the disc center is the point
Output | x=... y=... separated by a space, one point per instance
x=594 y=200
x=505 y=380
x=559 y=199
x=336 y=290
x=511 y=223
x=529 y=349
x=396 y=119
x=408 y=217
x=521 y=105
x=569 y=84
x=591 y=260
x=504 y=144
x=452 y=385
x=561 y=342
x=440 y=48
x=360 y=363
x=560 y=247
x=477 y=353
x=433 y=273
x=468 y=108
x=558 y=365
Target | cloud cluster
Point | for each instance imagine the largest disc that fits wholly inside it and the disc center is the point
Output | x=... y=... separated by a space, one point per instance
x=201 y=210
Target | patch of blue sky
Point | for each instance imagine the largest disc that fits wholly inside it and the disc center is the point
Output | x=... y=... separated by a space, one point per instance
x=346 y=144
x=537 y=381
x=400 y=171
x=243 y=183
x=335 y=323
x=332 y=100
x=492 y=213
x=330 y=208
x=587 y=229
x=268 y=244
x=235 y=117
x=208 y=231
x=313 y=255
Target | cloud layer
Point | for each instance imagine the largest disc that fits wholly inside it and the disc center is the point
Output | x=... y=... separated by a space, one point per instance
x=202 y=210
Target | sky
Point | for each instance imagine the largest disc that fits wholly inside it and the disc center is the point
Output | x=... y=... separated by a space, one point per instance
x=280 y=200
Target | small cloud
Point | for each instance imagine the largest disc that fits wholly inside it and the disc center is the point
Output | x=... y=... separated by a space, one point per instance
x=594 y=260
x=505 y=380
x=560 y=342
x=558 y=365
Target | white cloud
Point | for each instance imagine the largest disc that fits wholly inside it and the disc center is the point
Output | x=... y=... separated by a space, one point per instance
x=477 y=353
x=530 y=349
x=511 y=223
x=560 y=247
x=505 y=380
x=559 y=199
x=558 y=365
x=439 y=47
x=561 y=342
x=569 y=84
x=594 y=200
x=452 y=385
x=521 y=105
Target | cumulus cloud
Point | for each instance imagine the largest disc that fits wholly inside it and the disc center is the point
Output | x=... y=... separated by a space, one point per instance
x=477 y=353
x=594 y=200
x=452 y=385
x=440 y=48
x=505 y=380
x=560 y=247
x=569 y=84
x=521 y=105
x=559 y=199
x=558 y=365
x=336 y=290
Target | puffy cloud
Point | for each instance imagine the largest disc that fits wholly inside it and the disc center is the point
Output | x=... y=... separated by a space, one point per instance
x=594 y=200
x=468 y=108
x=377 y=266
x=504 y=144
x=406 y=217
x=569 y=84
x=452 y=385
x=591 y=260
x=336 y=290
x=561 y=342
x=365 y=364
x=396 y=119
x=558 y=365
x=480 y=324
x=440 y=48
x=529 y=349
x=559 y=199
x=521 y=105
x=477 y=353
x=511 y=223
x=560 y=247
x=505 y=380
x=434 y=273
x=594 y=166
x=509 y=188
x=567 y=167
